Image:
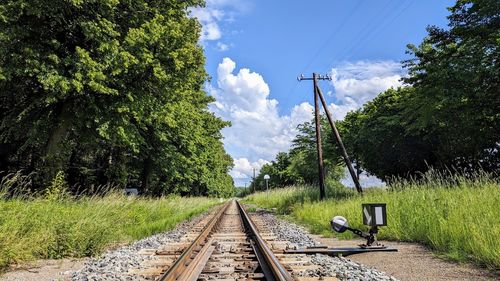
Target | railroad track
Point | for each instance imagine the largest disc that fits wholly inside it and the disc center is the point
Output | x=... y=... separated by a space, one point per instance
x=230 y=245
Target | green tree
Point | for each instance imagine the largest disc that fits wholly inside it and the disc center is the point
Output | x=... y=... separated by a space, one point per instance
x=304 y=155
x=456 y=75
x=379 y=140
x=110 y=91
x=280 y=172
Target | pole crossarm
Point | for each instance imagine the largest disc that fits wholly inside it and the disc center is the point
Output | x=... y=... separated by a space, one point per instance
x=318 y=77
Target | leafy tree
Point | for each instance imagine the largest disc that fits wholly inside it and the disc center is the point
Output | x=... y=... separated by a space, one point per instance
x=380 y=141
x=456 y=74
x=111 y=92
x=448 y=115
x=280 y=172
x=300 y=164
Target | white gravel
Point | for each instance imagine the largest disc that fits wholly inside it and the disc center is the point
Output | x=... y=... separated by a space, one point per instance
x=115 y=265
x=342 y=268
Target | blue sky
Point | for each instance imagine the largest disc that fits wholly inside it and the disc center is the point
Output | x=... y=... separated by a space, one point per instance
x=256 y=49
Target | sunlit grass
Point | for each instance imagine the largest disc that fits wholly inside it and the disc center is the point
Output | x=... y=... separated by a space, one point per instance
x=460 y=221
x=38 y=228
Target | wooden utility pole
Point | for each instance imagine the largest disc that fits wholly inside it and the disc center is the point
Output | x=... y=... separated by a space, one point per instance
x=319 y=94
x=317 y=119
x=348 y=163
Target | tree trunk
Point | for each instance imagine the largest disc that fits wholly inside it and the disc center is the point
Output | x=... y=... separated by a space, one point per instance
x=54 y=154
x=145 y=175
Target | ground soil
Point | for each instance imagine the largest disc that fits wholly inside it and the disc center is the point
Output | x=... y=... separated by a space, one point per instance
x=44 y=270
x=412 y=262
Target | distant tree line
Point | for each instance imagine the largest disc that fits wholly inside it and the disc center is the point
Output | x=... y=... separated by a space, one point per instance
x=110 y=93
x=447 y=116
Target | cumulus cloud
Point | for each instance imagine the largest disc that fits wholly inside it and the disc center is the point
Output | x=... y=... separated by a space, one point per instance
x=259 y=132
x=359 y=82
x=243 y=169
x=209 y=19
x=213 y=17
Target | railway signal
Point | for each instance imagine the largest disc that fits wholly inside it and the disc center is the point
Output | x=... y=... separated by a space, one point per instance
x=374 y=215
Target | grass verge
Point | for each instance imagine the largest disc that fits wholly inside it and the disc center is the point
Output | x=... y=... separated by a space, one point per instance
x=461 y=223
x=39 y=228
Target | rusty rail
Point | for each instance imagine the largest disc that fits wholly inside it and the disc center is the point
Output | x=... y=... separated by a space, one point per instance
x=273 y=269
x=178 y=267
x=196 y=255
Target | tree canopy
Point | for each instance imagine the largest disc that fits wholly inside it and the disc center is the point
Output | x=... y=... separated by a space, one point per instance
x=110 y=92
x=448 y=114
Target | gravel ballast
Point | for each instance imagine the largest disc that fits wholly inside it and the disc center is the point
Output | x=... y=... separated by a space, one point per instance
x=342 y=268
x=117 y=264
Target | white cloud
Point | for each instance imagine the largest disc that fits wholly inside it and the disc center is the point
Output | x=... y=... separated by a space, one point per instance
x=214 y=16
x=357 y=83
x=209 y=19
x=243 y=169
x=259 y=132
x=365 y=180
x=222 y=47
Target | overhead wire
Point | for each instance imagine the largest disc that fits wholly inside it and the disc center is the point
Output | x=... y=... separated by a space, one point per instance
x=332 y=35
x=379 y=29
x=368 y=28
x=344 y=20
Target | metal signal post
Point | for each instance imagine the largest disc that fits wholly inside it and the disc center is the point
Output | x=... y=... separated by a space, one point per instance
x=319 y=95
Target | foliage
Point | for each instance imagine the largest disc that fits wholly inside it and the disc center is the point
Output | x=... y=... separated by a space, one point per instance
x=110 y=92
x=57 y=187
x=459 y=221
x=456 y=76
x=447 y=116
x=68 y=227
x=284 y=199
x=377 y=134
x=299 y=165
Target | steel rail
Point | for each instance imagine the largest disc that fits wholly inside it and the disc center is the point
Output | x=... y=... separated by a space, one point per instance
x=178 y=267
x=277 y=270
x=272 y=269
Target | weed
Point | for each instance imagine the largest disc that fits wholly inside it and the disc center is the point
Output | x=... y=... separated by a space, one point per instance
x=39 y=228
x=459 y=221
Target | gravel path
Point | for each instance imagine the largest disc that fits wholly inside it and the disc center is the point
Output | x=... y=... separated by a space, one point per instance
x=342 y=268
x=115 y=264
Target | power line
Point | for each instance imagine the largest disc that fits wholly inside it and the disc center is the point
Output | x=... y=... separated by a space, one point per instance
x=327 y=41
x=367 y=30
x=332 y=35
x=379 y=29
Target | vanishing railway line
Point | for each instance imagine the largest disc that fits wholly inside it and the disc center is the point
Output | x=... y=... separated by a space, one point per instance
x=232 y=246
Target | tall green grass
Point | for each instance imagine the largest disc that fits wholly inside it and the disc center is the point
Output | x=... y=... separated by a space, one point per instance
x=459 y=221
x=57 y=225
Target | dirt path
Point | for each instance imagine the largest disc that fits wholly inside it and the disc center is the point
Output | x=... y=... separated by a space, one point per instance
x=44 y=270
x=412 y=262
